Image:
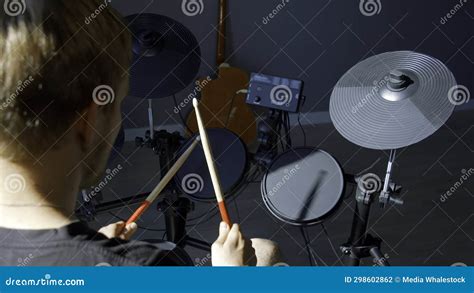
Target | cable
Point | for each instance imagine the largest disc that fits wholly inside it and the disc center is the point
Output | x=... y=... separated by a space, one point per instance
x=256 y=176
x=312 y=250
x=299 y=120
x=279 y=130
x=285 y=130
x=330 y=243
x=203 y=218
x=201 y=215
x=312 y=260
x=288 y=129
x=302 y=129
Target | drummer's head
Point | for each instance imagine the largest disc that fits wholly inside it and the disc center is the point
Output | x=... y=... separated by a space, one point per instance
x=63 y=76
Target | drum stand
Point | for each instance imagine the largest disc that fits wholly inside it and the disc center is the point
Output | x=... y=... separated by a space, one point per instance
x=176 y=210
x=268 y=137
x=361 y=244
x=173 y=206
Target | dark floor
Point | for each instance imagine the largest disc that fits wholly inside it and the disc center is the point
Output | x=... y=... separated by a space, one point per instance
x=424 y=231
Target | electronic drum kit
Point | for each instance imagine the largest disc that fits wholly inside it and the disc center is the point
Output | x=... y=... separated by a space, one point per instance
x=385 y=102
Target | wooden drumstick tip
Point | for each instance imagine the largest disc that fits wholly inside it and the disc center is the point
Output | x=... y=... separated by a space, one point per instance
x=195 y=102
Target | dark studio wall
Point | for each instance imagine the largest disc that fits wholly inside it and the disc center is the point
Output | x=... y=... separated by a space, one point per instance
x=316 y=40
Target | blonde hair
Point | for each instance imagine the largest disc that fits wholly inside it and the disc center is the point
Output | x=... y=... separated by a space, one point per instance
x=52 y=58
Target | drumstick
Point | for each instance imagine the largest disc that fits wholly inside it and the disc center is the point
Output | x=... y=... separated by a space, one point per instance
x=159 y=188
x=216 y=183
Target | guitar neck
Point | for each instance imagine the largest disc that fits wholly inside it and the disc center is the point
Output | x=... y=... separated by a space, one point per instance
x=221 y=38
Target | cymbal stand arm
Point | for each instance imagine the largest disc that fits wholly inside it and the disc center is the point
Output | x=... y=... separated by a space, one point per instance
x=389 y=187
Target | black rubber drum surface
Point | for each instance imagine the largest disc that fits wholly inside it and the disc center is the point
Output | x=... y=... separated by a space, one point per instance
x=230 y=155
x=303 y=186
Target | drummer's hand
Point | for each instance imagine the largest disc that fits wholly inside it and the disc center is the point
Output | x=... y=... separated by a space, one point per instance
x=230 y=248
x=116 y=230
x=267 y=252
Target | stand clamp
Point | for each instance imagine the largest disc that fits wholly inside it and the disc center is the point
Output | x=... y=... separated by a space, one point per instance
x=361 y=244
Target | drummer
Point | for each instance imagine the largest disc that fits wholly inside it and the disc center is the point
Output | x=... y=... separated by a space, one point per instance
x=63 y=77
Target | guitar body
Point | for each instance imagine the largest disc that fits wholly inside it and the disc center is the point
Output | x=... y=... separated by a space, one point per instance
x=221 y=107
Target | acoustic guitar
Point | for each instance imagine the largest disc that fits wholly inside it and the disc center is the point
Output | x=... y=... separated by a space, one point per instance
x=220 y=103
